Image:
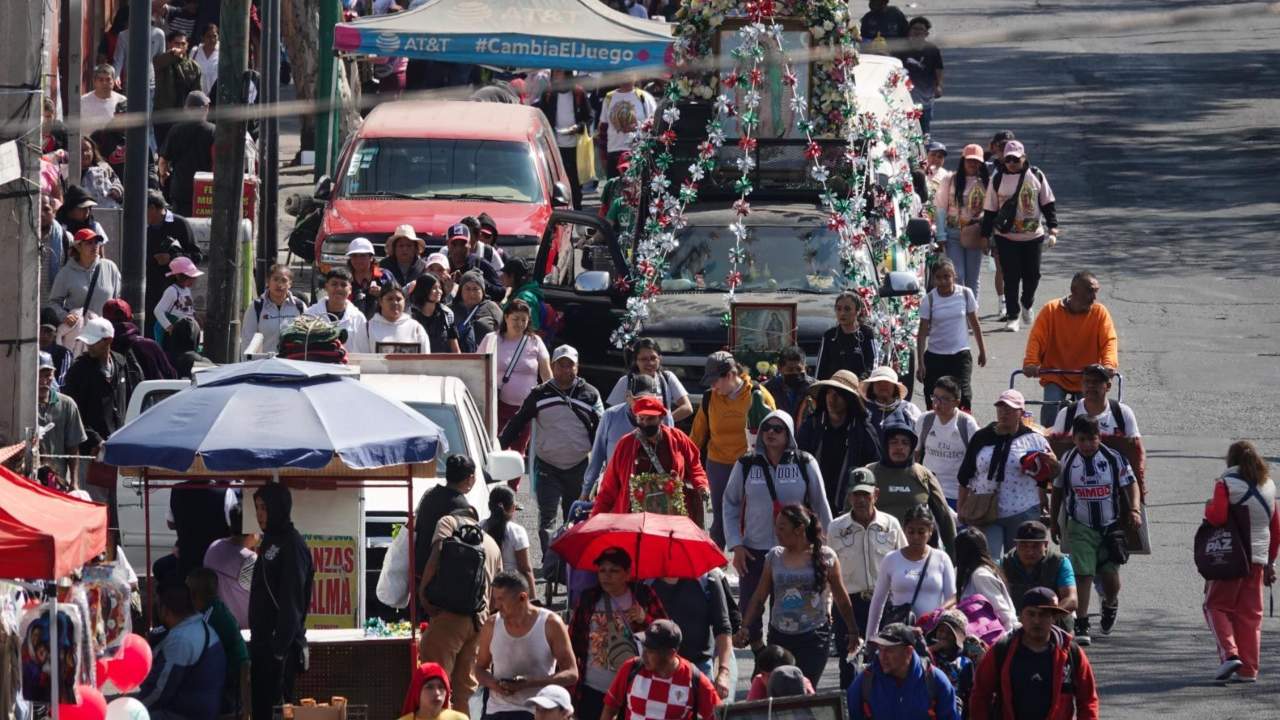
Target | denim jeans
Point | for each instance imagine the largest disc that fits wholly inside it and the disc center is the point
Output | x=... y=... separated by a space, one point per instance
x=556 y=490
x=968 y=262
x=1000 y=534
x=861 y=608
x=1054 y=397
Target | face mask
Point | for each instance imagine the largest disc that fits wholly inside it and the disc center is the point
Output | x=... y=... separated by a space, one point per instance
x=795 y=381
x=649 y=430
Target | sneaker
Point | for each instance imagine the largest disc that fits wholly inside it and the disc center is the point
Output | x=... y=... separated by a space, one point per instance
x=1082 y=632
x=1027 y=314
x=1109 y=618
x=1013 y=326
x=1228 y=668
x=1245 y=679
x=1003 y=316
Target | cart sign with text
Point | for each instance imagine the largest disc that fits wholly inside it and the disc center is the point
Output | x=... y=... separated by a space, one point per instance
x=335 y=593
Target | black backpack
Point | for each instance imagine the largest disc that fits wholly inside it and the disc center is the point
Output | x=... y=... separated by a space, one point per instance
x=1116 y=414
x=463 y=589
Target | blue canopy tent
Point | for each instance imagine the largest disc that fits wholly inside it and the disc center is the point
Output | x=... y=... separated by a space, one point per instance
x=564 y=34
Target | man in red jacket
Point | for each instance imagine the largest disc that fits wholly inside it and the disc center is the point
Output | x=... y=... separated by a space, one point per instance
x=652 y=450
x=1037 y=671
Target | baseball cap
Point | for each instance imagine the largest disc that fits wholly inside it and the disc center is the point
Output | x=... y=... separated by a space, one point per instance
x=895 y=635
x=87 y=234
x=459 y=230
x=46 y=361
x=1012 y=398
x=972 y=151
x=648 y=405
x=565 y=351
x=1043 y=598
x=96 y=330
x=551 y=697
x=641 y=384
x=1014 y=148
x=117 y=310
x=1032 y=531
x=936 y=146
x=1098 y=370
x=183 y=266
x=663 y=635
x=786 y=681
x=487 y=224
x=360 y=246
x=862 y=480
x=719 y=364
x=438 y=259
x=615 y=556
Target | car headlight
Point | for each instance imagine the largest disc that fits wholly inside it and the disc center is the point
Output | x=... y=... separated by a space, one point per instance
x=670 y=344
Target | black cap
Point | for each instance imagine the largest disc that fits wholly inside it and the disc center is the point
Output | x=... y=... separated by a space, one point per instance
x=895 y=634
x=487 y=223
x=642 y=384
x=1099 y=371
x=1032 y=531
x=786 y=681
x=614 y=556
x=1042 y=597
x=663 y=635
x=155 y=198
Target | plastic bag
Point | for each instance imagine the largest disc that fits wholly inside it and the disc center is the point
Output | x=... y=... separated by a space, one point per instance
x=109 y=604
x=586 y=159
x=393 y=580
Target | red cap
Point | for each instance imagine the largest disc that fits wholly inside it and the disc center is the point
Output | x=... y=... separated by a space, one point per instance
x=117 y=310
x=87 y=234
x=648 y=405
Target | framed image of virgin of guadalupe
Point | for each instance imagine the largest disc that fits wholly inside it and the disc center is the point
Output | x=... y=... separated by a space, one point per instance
x=777 y=117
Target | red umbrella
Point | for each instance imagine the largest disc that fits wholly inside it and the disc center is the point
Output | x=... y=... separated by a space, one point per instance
x=659 y=545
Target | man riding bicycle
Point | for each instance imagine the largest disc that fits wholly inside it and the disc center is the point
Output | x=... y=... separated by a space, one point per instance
x=1069 y=334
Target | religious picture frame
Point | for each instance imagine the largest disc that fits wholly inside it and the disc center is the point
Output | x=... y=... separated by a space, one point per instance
x=777 y=117
x=762 y=327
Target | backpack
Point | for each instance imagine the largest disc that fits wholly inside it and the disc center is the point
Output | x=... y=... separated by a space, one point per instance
x=1009 y=209
x=798 y=457
x=1001 y=650
x=259 y=303
x=929 y=417
x=1116 y=414
x=463 y=590
x=694 y=683
x=1225 y=552
x=930 y=686
x=735 y=613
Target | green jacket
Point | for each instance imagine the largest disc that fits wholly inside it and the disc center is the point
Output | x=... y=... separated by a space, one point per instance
x=175 y=77
x=531 y=293
x=219 y=617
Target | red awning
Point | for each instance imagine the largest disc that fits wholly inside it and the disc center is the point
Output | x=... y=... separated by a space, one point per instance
x=45 y=534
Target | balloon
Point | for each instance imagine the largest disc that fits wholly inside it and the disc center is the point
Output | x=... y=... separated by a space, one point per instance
x=100 y=672
x=131 y=668
x=127 y=708
x=92 y=706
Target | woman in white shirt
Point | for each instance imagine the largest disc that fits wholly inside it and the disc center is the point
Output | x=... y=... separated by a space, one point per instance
x=509 y=534
x=978 y=574
x=917 y=574
x=205 y=55
x=942 y=343
x=392 y=330
x=522 y=363
x=944 y=434
x=646 y=359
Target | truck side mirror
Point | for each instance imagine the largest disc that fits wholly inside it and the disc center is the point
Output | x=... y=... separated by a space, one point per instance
x=324 y=188
x=593 y=282
x=560 y=196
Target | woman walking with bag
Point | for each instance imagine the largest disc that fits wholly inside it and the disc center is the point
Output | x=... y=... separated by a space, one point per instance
x=942 y=343
x=959 y=207
x=918 y=579
x=522 y=363
x=978 y=574
x=1233 y=608
x=800 y=577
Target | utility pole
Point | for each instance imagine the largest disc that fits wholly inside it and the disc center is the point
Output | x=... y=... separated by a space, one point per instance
x=133 y=235
x=269 y=140
x=21 y=64
x=222 y=336
x=326 y=79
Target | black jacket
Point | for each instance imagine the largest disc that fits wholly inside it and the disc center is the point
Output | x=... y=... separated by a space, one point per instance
x=392 y=268
x=861 y=449
x=102 y=400
x=581 y=108
x=581 y=390
x=855 y=352
x=171 y=236
x=281 y=591
x=437 y=502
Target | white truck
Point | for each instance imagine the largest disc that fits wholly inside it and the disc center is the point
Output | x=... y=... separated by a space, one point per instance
x=456 y=392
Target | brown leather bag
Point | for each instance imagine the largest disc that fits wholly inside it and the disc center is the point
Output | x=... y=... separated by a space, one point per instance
x=971 y=237
x=979 y=508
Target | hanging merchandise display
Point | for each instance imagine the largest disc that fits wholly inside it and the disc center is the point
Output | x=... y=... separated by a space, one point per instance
x=37 y=654
x=109 y=596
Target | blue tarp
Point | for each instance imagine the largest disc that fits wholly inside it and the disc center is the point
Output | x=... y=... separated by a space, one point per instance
x=566 y=34
x=236 y=421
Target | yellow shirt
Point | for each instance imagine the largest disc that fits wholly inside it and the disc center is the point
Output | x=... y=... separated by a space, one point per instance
x=722 y=428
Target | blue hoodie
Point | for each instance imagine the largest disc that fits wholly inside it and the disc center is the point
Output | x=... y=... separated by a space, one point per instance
x=903 y=700
x=748 y=506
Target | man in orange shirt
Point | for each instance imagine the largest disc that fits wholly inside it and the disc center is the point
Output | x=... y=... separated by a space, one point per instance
x=1069 y=334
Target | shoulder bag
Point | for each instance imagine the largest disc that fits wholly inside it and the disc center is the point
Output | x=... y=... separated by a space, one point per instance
x=905 y=613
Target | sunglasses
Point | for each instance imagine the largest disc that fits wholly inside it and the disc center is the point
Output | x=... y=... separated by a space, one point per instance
x=1012 y=158
x=773 y=428
x=942 y=399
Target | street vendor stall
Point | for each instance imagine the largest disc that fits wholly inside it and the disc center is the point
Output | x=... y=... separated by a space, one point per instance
x=315 y=428
x=566 y=34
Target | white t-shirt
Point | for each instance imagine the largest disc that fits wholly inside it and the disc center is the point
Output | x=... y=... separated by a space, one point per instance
x=1106 y=420
x=404 y=330
x=944 y=447
x=95 y=112
x=1091 y=498
x=624 y=112
x=516 y=539
x=564 y=120
x=352 y=320
x=948 y=320
x=896 y=583
x=175 y=304
x=525 y=374
x=1018 y=493
x=208 y=67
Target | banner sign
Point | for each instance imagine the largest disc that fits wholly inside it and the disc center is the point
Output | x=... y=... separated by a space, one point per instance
x=334 y=595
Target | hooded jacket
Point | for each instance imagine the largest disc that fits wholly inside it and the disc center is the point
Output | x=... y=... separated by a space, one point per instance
x=748 y=504
x=907 y=700
x=145 y=351
x=416 y=270
x=862 y=447
x=421 y=674
x=281 y=591
x=1076 y=701
x=905 y=485
x=72 y=284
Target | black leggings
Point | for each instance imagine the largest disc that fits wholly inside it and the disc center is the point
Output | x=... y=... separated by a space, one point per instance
x=958 y=366
x=1020 y=261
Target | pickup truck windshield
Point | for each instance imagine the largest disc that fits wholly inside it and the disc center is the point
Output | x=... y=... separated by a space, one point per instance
x=778 y=258
x=446 y=417
x=445 y=169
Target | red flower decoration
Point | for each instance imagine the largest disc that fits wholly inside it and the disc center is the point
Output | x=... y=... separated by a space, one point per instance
x=908 y=188
x=731 y=80
x=757 y=75
x=813 y=150
x=667 y=137
x=742 y=207
x=733 y=279
x=789 y=79
x=747 y=143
